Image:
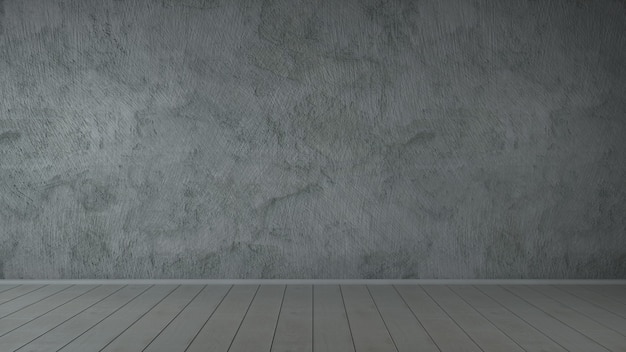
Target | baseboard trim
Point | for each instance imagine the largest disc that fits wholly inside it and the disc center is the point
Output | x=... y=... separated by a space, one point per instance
x=311 y=282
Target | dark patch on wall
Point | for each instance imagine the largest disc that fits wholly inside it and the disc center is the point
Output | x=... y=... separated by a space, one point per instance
x=592 y=267
x=50 y=185
x=9 y=137
x=289 y=23
x=508 y=251
x=8 y=247
x=90 y=249
x=256 y=260
x=1 y=17
x=16 y=197
x=419 y=138
x=332 y=127
x=203 y=265
x=94 y=195
x=209 y=264
x=144 y=125
x=192 y=4
x=380 y=264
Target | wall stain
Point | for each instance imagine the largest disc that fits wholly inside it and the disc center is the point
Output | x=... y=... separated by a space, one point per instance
x=332 y=127
x=94 y=195
x=16 y=198
x=290 y=23
x=379 y=264
x=8 y=247
x=419 y=138
x=10 y=137
x=90 y=248
x=271 y=204
x=1 y=17
x=193 y=4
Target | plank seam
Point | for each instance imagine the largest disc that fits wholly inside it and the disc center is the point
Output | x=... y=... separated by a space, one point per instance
x=243 y=318
x=486 y=319
x=209 y=318
x=558 y=319
x=382 y=318
x=37 y=301
x=343 y=300
x=415 y=315
x=519 y=317
x=280 y=309
x=452 y=319
x=101 y=320
x=174 y=318
x=138 y=319
x=71 y=317
x=571 y=306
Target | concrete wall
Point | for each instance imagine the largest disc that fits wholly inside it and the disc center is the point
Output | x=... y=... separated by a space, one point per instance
x=312 y=139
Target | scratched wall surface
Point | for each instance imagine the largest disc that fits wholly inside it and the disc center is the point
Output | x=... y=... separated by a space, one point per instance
x=312 y=139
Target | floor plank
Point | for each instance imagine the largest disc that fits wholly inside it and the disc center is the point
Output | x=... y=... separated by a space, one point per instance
x=108 y=329
x=331 y=332
x=257 y=329
x=71 y=329
x=368 y=328
x=179 y=334
x=609 y=339
x=39 y=326
x=565 y=336
x=614 y=292
x=444 y=331
x=607 y=319
x=486 y=335
x=145 y=329
x=597 y=299
x=320 y=318
x=517 y=329
x=406 y=331
x=294 y=330
x=40 y=307
x=32 y=297
x=13 y=293
x=6 y=287
x=219 y=330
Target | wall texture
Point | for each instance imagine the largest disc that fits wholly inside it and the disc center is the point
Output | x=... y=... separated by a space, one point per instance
x=312 y=139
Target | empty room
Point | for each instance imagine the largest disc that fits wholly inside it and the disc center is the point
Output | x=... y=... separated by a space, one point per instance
x=312 y=175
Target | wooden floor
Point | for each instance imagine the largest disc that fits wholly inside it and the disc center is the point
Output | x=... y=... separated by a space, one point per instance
x=343 y=318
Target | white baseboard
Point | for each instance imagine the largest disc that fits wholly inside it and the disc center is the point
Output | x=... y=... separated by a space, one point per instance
x=311 y=282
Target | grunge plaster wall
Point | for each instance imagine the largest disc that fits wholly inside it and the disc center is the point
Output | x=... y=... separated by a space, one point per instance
x=312 y=139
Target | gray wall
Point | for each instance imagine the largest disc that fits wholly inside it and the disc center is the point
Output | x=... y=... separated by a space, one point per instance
x=312 y=139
